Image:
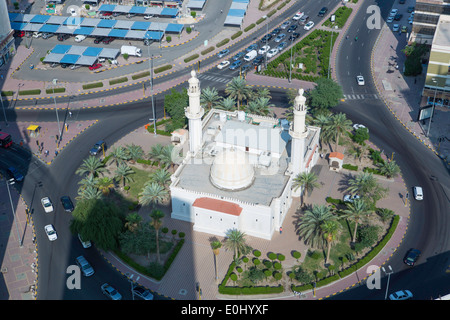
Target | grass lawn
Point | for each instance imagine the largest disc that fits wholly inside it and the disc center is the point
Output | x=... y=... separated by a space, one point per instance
x=140 y=177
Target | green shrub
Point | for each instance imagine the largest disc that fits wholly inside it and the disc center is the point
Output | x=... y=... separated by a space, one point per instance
x=168 y=38
x=7 y=93
x=163 y=68
x=277 y=266
x=260 y=20
x=296 y=255
x=29 y=92
x=257 y=253
x=223 y=42
x=57 y=90
x=206 y=51
x=140 y=75
x=249 y=27
x=188 y=30
x=193 y=57
x=350 y=167
x=92 y=85
x=236 y=35
x=118 y=80
x=272 y=256
x=281 y=257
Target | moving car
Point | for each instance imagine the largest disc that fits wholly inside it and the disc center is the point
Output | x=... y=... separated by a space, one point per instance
x=272 y=52
x=292 y=28
x=245 y=67
x=411 y=257
x=223 y=53
x=223 y=64
x=264 y=49
x=323 y=11
x=398 y=17
x=401 y=295
x=410 y=9
x=294 y=36
x=110 y=292
x=303 y=20
x=258 y=60
x=298 y=15
x=282 y=46
x=395 y=27
x=97 y=147
x=275 y=31
x=95 y=66
x=85 y=267
x=266 y=38
x=418 y=193
x=251 y=47
x=360 y=80
x=404 y=29
x=47 y=204
x=280 y=37
x=142 y=293
x=86 y=244
x=50 y=232
x=357 y=126
x=238 y=55
x=285 y=24
x=14 y=174
x=67 y=203
x=236 y=64
x=309 y=25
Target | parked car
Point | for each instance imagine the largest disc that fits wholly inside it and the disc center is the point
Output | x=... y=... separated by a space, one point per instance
x=223 y=64
x=282 y=46
x=238 y=55
x=251 y=47
x=285 y=24
x=272 y=52
x=50 y=232
x=401 y=295
x=411 y=257
x=236 y=64
x=47 y=35
x=401 y=1
x=292 y=28
x=393 y=12
x=37 y=34
x=98 y=146
x=79 y=38
x=280 y=37
x=110 y=292
x=85 y=266
x=14 y=174
x=64 y=65
x=98 y=40
x=350 y=198
x=309 y=25
x=148 y=16
x=19 y=34
x=142 y=293
x=390 y=19
x=107 y=40
x=62 y=37
x=410 y=9
x=67 y=203
x=85 y=243
x=264 y=49
x=47 y=204
x=95 y=66
x=398 y=17
x=223 y=53
x=323 y=11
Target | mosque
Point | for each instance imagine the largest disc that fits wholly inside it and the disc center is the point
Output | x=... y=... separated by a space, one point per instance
x=237 y=170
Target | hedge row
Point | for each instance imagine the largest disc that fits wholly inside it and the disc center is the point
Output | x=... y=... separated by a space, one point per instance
x=350 y=167
x=163 y=68
x=236 y=35
x=250 y=27
x=7 y=93
x=206 y=51
x=140 y=75
x=118 y=80
x=223 y=42
x=29 y=92
x=193 y=57
x=92 y=85
x=55 y=90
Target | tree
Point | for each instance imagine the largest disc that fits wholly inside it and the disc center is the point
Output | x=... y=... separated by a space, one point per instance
x=330 y=231
x=237 y=89
x=165 y=157
x=92 y=166
x=215 y=246
x=235 y=240
x=209 y=98
x=366 y=185
x=152 y=194
x=357 y=211
x=104 y=184
x=156 y=223
x=307 y=181
x=161 y=176
x=133 y=222
x=361 y=135
x=155 y=151
x=227 y=104
x=309 y=228
x=140 y=242
x=99 y=221
x=259 y=106
x=340 y=124
x=134 y=152
x=174 y=104
x=87 y=181
x=326 y=94
x=323 y=122
x=123 y=173
x=119 y=155
x=89 y=193
x=389 y=169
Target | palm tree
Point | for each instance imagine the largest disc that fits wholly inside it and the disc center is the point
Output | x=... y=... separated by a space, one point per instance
x=237 y=89
x=215 y=246
x=262 y=93
x=135 y=152
x=92 y=166
x=156 y=223
x=259 y=106
x=161 y=176
x=123 y=172
x=389 y=169
x=133 y=221
x=89 y=193
x=88 y=181
x=235 y=240
x=152 y=194
x=155 y=151
x=104 y=184
x=366 y=184
x=357 y=211
x=165 y=157
x=227 y=104
x=340 y=124
x=209 y=98
x=307 y=181
x=309 y=228
x=323 y=122
x=330 y=231
x=119 y=155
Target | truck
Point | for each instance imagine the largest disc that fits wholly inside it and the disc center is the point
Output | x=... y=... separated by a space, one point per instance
x=131 y=51
x=5 y=140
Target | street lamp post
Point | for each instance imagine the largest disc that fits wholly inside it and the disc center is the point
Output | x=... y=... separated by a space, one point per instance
x=434 y=103
x=54 y=81
x=8 y=182
x=290 y=62
x=389 y=277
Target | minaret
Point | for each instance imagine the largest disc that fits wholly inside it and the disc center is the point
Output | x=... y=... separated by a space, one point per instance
x=298 y=132
x=5 y=26
x=194 y=113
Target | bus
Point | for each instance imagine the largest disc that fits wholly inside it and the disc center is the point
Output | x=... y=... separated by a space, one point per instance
x=5 y=140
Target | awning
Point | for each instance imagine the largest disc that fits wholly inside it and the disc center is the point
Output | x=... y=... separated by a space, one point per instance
x=138 y=10
x=136 y=34
x=39 y=19
x=140 y=25
x=106 y=7
x=172 y=27
x=86 y=61
x=100 y=32
x=109 y=53
x=32 y=27
x=65 y=29
x=70 y=58
x=118 y=33
x=106 y=23
x=85 y=31
x=171 y=12
x=61 y=48
x=77 y=50
x=56 y=20
x=123 y=24
x=53 y=57
x=92 y=51
x=154 y=35
x=91 y=22
x=18 y=25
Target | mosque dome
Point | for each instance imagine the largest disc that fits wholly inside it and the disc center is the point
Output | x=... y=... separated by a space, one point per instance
x=231 y=170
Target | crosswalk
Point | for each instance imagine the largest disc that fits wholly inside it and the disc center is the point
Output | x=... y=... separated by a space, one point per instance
x=360 y=96
x=213 y=78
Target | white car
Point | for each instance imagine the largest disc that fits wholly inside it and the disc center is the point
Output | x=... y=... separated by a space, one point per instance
x=37 y=34
x=357 y=126
x=86 y=244
x=148 y=16
x=396 y=27
x=393 y=12
x=360 y=80
x=401 y=295
x=223 y=64
x=350 y=198
x=73 y=12
x=309 y=25
x=298 y=16
x=390 y=19
x=264 y=49
x=47 y=204
x=51 y=232
x=79 y=38
x=272 y=52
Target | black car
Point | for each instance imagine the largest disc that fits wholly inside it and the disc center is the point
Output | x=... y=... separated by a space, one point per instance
x=258 y=60
x=398 y=17
x=246 y=67
x=14 y=174
x=411 y=257
x=266 y=38
x=323 y=11
x=98 y=40
x=303 y=20
x=64 y=65
x=402 y=1
x=142 y=293
x=62 y=37
x=97 y=148
x=294 y=36
x=67 y=203
x=275 y=31
x=292 y=28
x=107 y=40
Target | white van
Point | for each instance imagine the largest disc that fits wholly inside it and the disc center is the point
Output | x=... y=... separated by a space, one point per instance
x=418 y=193
x=80 y=38
x=251 y=55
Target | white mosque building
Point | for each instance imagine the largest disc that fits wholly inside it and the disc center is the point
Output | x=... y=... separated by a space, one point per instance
x=238 y=170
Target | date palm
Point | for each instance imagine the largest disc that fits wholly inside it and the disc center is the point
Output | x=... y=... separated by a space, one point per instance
x=235 y=241
x=134 y=152
x=227 y=104
x=237 y=89
x=104 y=184
x=152 y=194
x=91 y=166
x=260 y=106
x=156 y=223
x=309 y=227
x=389 y=169
x=339 y=124
x=323 y=122
x=209 y=98
x=215 y=246
x=119 y=155
x=88 y=181
x=155 y=151
x=357 y=211
x=89 y=193
x=307 y=181
x=366 y=185
x=123 y=173
x=330 y=230
x=161 y=176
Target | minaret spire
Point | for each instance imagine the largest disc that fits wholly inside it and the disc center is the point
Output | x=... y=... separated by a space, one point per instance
x=194 y=113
